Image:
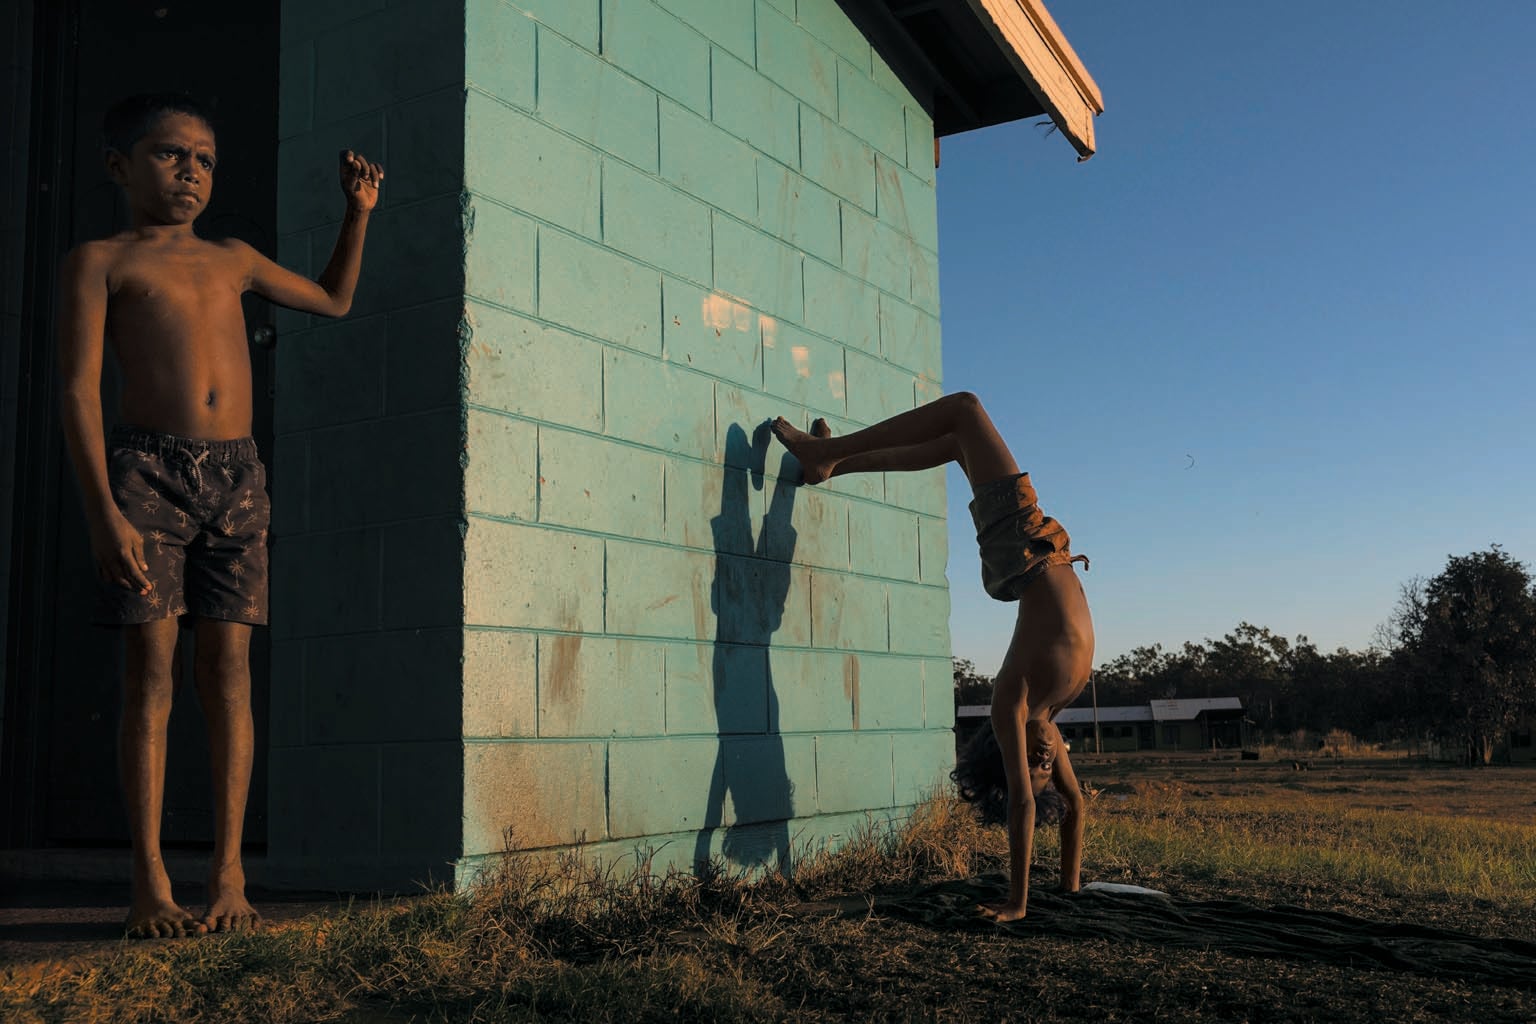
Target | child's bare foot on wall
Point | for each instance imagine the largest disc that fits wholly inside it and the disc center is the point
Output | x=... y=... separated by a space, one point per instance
x=228 y=910
x=820 y=428
x=803 y=447
x=156 y=918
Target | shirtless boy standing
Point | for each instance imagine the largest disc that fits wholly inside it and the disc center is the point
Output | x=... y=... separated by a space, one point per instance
x=176 y=502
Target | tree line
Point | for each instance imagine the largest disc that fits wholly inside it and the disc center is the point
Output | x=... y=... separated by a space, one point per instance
x=1455 y=662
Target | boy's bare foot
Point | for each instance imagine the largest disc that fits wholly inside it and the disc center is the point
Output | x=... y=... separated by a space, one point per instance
x=1002 y=912
x=803 y=447
x=820 y=428
x=160 y=919
x=228 y=910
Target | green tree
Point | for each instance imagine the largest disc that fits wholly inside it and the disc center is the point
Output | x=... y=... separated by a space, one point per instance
x=971 y=687
x=1466 y=647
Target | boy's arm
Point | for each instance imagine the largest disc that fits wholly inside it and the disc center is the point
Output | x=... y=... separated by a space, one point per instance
x=116 y=545
x=1064 y=779
x=331 y=293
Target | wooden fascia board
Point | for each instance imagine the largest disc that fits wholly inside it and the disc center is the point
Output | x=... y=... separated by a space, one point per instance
x=1034 y=44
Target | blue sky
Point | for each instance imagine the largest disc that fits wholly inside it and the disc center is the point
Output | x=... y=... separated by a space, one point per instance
x=1304 y=259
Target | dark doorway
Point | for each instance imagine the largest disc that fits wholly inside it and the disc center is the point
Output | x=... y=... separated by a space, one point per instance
x=62 y=691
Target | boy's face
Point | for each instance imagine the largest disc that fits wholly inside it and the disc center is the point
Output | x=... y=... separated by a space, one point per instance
x=168 y=176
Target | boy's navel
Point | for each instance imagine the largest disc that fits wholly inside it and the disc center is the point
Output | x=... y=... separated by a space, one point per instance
x=213 y=396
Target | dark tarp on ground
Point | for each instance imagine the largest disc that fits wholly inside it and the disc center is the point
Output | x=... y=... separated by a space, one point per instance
x=1230 y=926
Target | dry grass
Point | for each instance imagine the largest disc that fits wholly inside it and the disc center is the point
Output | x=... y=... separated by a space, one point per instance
x=566 y=939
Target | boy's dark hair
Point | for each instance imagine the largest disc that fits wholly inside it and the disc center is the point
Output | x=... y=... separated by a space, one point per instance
x=981 y=780
x=130 y=119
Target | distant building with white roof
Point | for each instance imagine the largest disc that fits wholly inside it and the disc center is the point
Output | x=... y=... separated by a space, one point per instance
x=1199 y=723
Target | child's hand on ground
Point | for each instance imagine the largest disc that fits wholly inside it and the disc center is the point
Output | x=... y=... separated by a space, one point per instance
x=360 y=181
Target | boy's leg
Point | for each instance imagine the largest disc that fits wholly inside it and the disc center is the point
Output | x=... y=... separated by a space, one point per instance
x=974 y=442
x=150 y=652
x=223 y=669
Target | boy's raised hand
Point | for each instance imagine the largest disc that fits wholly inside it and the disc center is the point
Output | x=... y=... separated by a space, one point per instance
x=360 y=181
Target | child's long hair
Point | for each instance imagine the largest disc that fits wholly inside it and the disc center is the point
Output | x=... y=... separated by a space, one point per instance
x=981 y=780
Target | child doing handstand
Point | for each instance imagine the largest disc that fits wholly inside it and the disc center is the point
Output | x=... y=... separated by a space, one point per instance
x=1025 y=558
x=176 y=501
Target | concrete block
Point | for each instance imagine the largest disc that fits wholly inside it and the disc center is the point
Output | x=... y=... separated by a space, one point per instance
x=502 y=474
x=383 y=471
x=883 y=541
x=841 y=306
x=546 y=793
x=939 y=695
x=925 y=390
x=836 y=159
x=906 y=202
x=785 y=7
x=753 y=108
x=710 y=506
x=585 y=95
x=777 y=538
x=877 y=252
x=919 y=619
x=933 y=551
x=796 y=59
x=825 y=20
x=378 y=60
x=854 y=771
x=285 y=706
x=382 y=687
x=531 y=369
x=658 y=404
x=305 y=21
x=909 y=337
x=653 y=221
x=593 y=484
x=309 y=196
x=599 y=292
x=923 y=763
x=340 y=818
x=292 y=253
x=577 y=20
x=848 y=612
x=660 y=785
x=423 y=360
x=814 y=691
x=526 y=576
x=660 y=591
x=821 y=521
x=716 y=688
x=870 y=486
x=658 y=49
x=501 y=681
x=881 y=74
x=924 y=491
x=598 y=686
x=925 y=279
x=876 y=389
x=803 y=367
x=296 y=89
x=758 y=269
x=919 y=143
x=326 y=583
x=711 y=332
x=289 y=484
x=768 y=778
x=528 y=166
x=798 y=211
x=870 y=112
x=728 y=23
x=423 y=573
x=758 y=602
x=888 y=693
x=421 y=801
x=707 y=161
x=420 y=160
x=415 y=255
x=499 y=54
x=330 y=374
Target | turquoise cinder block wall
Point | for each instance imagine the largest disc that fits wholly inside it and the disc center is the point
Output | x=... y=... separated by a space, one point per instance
x=582 y=599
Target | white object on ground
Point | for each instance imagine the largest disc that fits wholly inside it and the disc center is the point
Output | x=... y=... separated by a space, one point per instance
x=1134 y=890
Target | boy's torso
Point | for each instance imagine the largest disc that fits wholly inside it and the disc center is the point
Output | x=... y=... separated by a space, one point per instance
x=176 y=326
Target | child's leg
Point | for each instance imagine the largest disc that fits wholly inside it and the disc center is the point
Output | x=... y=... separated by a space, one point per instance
x=973 y=441
x=224 y=688
x=149 y=652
